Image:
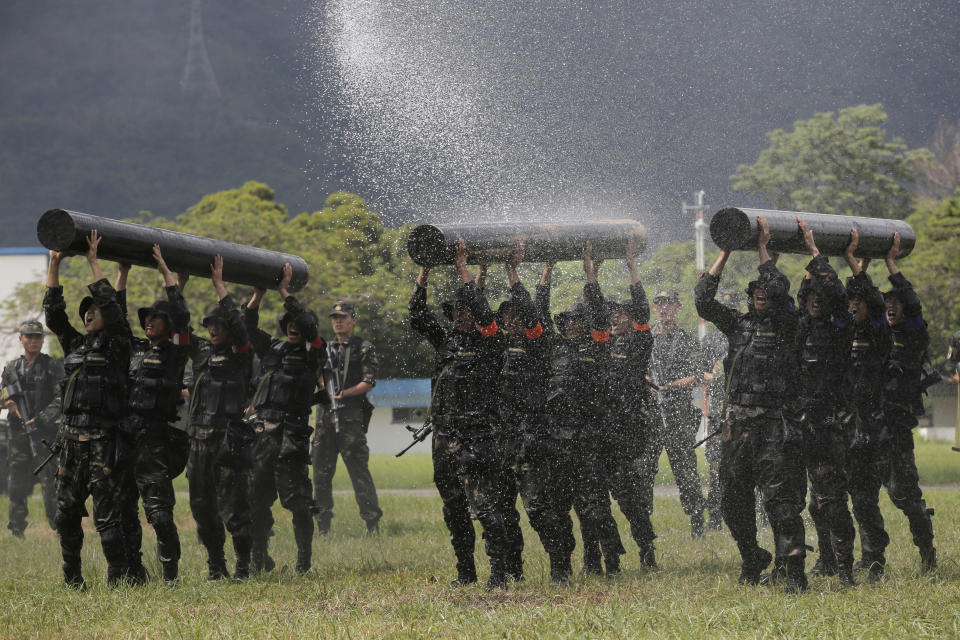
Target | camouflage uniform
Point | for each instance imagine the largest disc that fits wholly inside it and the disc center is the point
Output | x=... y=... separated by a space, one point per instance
x=760 y=442
x=219 y=463
x=343 y=431
x=155 y=450
x=94 y=400
x=40 y=382
x=280 y=455
x=674 y=421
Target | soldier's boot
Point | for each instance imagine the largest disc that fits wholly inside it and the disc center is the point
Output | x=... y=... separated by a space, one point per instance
x=715 y=522
x=872 y=562
x=753 y=561
x=826 y=565
x=796 y=581
x=776 y=575
x=136 y=572
x=323 y=524
x=648 y=557
x=515 y=566
x=73 y=577
x=170 y=570
x=928 y=558
x=560 y=569
x=111 y=541
x=242 y=546
x=217 y=563
x=498 y=575
x=303 y=535
x=260 y=558
x=612 y=564
x=696 y=525
x=168 y=545
x=844 y=553
x=466 y=570
x=592 y=560
x=70 y=547
x=373 y=527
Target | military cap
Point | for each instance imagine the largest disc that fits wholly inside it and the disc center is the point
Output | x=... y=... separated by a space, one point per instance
x=343 y=308
x=31 y=328
x=666 y=295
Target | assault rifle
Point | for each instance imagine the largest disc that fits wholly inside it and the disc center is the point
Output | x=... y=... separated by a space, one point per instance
x=19 y=396
x=54 y=449
x=419 y=435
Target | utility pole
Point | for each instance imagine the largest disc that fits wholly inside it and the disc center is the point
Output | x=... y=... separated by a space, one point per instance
x=700 y=234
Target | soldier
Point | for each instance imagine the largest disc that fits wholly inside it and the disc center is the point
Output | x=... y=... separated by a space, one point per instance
x=863 y=411
x=30 y=384
x=286 y=391
x=219 y=462
x=155 y=448
x=349 y=374
x=94 y=400
x=823 y=348
x=902 y=403
x=758 y=446
x=631 y=344
x=676 y=367
x=953 y=355
x=715 y=347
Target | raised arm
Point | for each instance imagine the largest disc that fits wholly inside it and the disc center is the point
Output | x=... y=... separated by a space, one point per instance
x=421 y=319
x=55 y=307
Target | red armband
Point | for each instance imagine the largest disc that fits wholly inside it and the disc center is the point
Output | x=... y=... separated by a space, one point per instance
x=536 y=332
x=180 y=339
x=242 y=349
x=489 y=330
x=641 y=327
x=318 y=343
x=601 y=336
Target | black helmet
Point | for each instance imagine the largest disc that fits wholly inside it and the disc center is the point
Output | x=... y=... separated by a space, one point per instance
x=577 y=312
x=459 y=299
x=306 y=323
x=216 y=313
x=163 y=308
x=85 y=305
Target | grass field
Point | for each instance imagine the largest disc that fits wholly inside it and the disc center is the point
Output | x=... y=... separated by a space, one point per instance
x=395 y=585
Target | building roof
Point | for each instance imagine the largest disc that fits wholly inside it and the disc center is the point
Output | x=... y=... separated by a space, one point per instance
x=401 y=392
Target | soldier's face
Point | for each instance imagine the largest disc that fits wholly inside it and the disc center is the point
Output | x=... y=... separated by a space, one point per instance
x=619 y=322
x=343 y=324
x=92 y=320
x=858 y=309
x=464 y=320
x=218 y=333
x=512 y=323
x=156 y=328
x=32 y=343
x=293 y=334
x=894 y=311
x=760 y=300
x=814 y=310
x=666 y=310
x=575 y=330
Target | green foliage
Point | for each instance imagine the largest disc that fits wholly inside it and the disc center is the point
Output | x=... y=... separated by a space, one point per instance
x=934 y=269
x=834 y=163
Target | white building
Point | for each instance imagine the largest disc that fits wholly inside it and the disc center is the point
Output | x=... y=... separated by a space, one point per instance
x=19 y=265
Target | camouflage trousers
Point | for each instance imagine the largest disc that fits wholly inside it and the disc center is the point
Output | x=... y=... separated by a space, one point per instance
x=677 y=436
x=755 y=452
x=21 y=480
x=145 y=475
x=711 y=449
x=481 y=471
x=350 y=442
x=86 y=469
x=512 y=488
x=272 y=476
x=219 y=493
x=892 y=465
x=445 y=451
x=825 y=452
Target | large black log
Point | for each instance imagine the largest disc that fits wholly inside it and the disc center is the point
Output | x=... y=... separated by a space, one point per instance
x=67 y=231
x=430 y=245
x=736 y=228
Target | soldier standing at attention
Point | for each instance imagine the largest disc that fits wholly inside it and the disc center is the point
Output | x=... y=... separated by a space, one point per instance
x=290 y=375
x=349 y=374
x=759 y=448
x=155 y=448
x=94 y=400
x=219 y=462
x=676 y=367
x=30 y=384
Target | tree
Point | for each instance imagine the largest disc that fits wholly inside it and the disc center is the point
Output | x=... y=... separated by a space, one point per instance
x=834 y=163
x=938 y=173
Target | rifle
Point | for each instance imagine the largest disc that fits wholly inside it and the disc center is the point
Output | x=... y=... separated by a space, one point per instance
x=726 y=395
x=16 y=393
x=54 y=449
x=419 y=435
x=333 y=390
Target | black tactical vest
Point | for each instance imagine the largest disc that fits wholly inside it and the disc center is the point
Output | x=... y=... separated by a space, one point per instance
x=764 y=374
x=155 y=382
x=864 y=376
x=289 y=383
x=823 y=360
x=904 y=368
x=94 y=385
x=522 y=380
x=220 y=388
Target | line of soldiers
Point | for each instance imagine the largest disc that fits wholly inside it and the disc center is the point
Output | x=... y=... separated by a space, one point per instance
x=112 y=405
x=570 y=409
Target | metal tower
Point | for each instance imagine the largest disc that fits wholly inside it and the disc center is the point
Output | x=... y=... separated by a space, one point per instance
x=198 y=78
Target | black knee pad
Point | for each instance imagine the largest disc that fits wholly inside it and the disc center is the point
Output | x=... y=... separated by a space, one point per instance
x=111 y=535
x=780 y=511
x=160 y=519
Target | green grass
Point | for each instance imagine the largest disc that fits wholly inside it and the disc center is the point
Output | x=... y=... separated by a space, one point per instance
x=396 y=585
